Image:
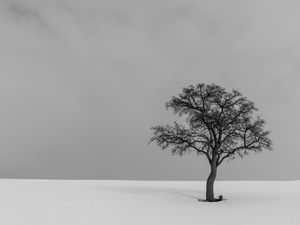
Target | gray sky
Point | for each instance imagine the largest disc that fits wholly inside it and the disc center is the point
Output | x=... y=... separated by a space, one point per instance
x=82 y=81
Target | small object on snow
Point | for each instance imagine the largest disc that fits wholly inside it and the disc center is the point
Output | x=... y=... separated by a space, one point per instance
x=220 y=198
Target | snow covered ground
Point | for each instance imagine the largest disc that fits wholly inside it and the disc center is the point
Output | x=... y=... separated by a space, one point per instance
x=57 y=202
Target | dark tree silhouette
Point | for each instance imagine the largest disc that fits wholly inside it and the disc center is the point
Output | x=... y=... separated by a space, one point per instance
x=219 y=125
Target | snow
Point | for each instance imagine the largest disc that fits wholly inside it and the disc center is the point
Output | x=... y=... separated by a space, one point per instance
x=30 y=202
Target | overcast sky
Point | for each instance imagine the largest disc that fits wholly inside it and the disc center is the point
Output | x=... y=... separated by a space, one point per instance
x=82 y=81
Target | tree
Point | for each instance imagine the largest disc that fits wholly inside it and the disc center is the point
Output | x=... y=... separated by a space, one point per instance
x=219 y=125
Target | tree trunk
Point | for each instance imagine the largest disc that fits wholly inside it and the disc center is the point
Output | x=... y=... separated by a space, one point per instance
x=210 y=181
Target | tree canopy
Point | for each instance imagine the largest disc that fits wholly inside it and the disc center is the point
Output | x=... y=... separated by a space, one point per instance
x=219 y=124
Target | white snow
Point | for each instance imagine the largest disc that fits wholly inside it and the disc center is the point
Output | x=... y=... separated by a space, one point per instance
x=58 y=202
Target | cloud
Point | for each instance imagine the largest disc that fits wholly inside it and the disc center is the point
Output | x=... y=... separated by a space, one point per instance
x=80 y=75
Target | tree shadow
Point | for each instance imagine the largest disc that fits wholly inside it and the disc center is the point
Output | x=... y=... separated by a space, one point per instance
x=190 y=193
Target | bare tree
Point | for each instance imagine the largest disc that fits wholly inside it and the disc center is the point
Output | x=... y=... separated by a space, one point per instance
x=219 y=125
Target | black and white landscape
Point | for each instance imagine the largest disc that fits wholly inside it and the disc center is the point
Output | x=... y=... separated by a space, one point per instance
x=83 y=81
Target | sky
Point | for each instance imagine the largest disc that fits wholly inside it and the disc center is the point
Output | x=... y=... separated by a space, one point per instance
x=82 y=82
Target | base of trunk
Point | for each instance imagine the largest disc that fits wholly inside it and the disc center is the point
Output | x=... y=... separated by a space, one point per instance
x=220 y=198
